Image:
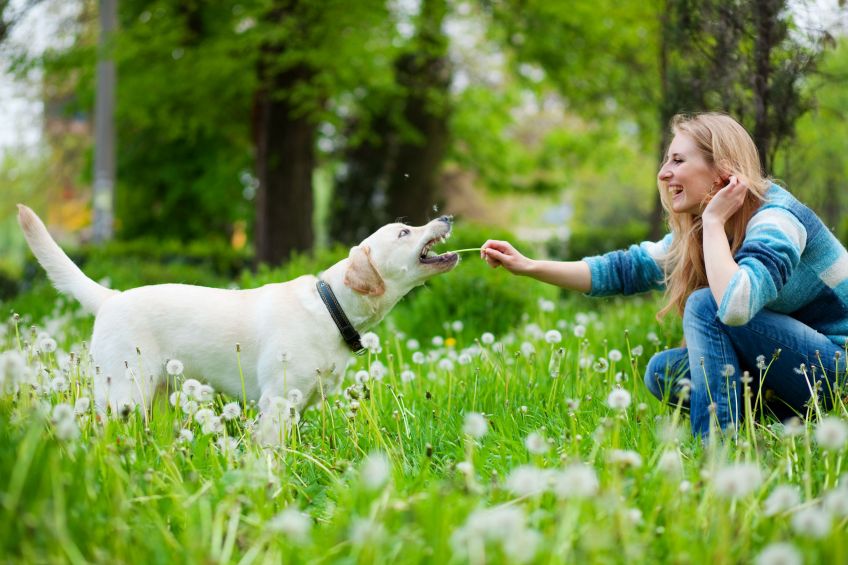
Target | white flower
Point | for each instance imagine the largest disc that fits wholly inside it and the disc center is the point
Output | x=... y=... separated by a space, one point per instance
x=465 y=467
x=191 y=388
x=230 y=411
x=189 y=406
x=601 y=365
x=475 y=425
x=831 y=433
x=546 y=305
x=186 y=436
x=653 y=338
x=277 y=406
x=487 y=338
x=438 y=341
x=781 y=499
x=205 y=394
x=47 y=344
x=418 y=358
x=375 y=470
x=634 y=515
x=295 y=396
x=536 y=444
x=378 y=370
x=576 y=481
x=227 y=445
x=579 y=330
x=371 y=342
x=527 y=349
x=446 y=365
x=362 y=376
x=615 y=355
x=553 y=336
x=669 y=463
x=67 y=429
x=293 y=524
x=779 y=554
x=62 y=412
x=59 y=384
x=203 y=416
x=637 y=351
x=761 y=362
x=534 y=331
x=527 y=480
x=413 y=344
x=13 y=370
x=836 y=502
x=174 y=367
x=813 y=522
x=82 y=405
x=464 y=359
x=737 y=480
x=728 y=370
x=618 y=399
x=407 y=376
x=794 y=427
x=457 y=326
x=625 y=458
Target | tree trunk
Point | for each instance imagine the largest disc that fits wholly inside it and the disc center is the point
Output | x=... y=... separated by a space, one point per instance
x=285 y=159
x=413 y=188
x=104 y=127
x=765 y=20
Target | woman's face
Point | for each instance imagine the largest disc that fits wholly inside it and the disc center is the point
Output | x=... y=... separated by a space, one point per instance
x=687 y=176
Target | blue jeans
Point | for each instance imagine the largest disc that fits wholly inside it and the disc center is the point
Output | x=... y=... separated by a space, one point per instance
x=716 y=355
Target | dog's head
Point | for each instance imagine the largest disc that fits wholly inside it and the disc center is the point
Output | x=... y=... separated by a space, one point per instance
x=398 y=257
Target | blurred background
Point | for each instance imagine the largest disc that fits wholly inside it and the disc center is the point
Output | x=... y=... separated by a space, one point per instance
x=212 y=142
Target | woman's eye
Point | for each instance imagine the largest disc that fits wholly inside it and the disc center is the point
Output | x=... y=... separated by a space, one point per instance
x=403 y=232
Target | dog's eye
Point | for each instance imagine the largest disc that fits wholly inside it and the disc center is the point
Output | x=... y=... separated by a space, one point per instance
x=403 y=232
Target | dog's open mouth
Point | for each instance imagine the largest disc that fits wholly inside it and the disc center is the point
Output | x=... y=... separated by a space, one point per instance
x=428 y=256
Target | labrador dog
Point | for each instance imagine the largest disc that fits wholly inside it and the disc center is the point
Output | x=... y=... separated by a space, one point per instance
x=286 y=335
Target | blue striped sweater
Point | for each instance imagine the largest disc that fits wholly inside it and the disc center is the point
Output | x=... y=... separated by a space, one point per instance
x=789 y=263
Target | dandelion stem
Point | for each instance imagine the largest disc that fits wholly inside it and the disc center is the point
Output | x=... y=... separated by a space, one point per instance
x=469 y=250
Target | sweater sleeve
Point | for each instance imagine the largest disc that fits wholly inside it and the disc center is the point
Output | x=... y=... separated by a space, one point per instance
x=637 y=269
x=774 y=242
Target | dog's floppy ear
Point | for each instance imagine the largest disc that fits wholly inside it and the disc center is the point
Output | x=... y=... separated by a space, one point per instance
x=361 y=275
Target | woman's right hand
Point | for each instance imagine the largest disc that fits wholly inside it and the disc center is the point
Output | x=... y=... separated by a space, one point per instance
x=502 y=253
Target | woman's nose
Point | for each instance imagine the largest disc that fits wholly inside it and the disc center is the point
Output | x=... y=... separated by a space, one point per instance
x=664 y=174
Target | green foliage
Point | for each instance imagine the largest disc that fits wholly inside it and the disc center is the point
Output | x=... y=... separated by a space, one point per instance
x=587 y=240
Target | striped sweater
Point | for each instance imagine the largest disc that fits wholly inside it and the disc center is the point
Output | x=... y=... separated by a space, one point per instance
x=789 y=263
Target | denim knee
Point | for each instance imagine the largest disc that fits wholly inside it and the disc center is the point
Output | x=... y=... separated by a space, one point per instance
x=700 y=306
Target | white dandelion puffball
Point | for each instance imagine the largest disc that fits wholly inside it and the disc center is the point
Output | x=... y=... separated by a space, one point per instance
x=295 y=396
x=615 y=355
x=779 y=554
x=293 y=524
x=618 y=399
x=781 y=499
x=737 y=480
x=62 y=412
x=625 y=458
x=487 y=338
x=375 y=470
x=174 y=367
x=813 y=522
x=831 y=433
x=527 y=349
x=446 y=365
x=457 y=326
x=418 y=358
x=67 y=430
x=670 y=463
x=407 y=376
x=186 y=436
x=475 y=425
x=536 y=444
x=47 y=344
x=413 y=344
x=362 y=376
x=527 y=480
x=553 y=336
x=231 y=411
x=371 y=342
x=579 y=330
x=82 y=405
x=438 y=341
x=191 y=388
x=203 y=415
x=576 y=481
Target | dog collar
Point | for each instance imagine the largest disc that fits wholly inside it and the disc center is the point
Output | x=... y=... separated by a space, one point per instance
x=349 y=333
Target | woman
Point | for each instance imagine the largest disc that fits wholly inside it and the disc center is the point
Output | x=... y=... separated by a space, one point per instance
x=752 y=271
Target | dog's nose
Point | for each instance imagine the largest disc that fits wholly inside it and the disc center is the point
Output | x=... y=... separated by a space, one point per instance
x=446 y=219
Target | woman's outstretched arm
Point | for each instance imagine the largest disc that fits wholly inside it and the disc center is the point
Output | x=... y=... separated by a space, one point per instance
x=573 y=275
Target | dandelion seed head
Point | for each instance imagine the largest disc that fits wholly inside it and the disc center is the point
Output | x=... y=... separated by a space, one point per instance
x=536 y=444
x=737 y=480
x=407 y=376
x=618 y=399
x=779 y=554
x=293 y=524
x=418 y=358
x=527 y=480
x=412 y=344
x=553 y=336
x=375 y=471
x=475 y=425
x=625 y=458
x=231 y=411
x=781 y=499
x=579 y=330
x=82 y=405
x=831 y=433
x=576 y=481
x=813 y=522
x=174 y=367
x=371 y=342
x=487 y=338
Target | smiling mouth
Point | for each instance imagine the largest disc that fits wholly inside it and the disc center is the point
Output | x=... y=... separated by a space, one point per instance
x=429 y=257
x=675 y=191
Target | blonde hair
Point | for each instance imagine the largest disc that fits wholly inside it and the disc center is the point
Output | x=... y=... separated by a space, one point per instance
x=726 y=146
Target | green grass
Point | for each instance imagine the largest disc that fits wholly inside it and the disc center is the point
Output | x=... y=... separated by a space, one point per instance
x=132 y=491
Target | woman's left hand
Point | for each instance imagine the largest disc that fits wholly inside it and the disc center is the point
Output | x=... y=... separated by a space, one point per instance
x=725 y=202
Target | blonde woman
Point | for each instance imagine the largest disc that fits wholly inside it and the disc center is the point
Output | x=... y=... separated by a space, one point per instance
x=751 y=270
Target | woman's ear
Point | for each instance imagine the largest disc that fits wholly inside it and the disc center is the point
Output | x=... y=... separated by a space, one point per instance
x=361 y=275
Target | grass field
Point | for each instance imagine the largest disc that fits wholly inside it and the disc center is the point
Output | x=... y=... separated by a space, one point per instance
x=538 y=444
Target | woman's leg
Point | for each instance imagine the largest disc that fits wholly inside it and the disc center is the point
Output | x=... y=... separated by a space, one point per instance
x=716 y=351
x=664 y=372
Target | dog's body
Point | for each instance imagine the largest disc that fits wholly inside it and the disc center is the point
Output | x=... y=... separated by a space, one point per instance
x=286 y=336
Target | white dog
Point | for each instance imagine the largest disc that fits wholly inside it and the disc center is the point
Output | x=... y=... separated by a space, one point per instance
x=287 y=335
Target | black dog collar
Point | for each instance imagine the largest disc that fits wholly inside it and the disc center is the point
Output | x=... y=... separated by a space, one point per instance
x=349 y=333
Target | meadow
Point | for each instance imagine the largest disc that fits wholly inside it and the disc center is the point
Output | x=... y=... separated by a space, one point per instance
x=491 y=421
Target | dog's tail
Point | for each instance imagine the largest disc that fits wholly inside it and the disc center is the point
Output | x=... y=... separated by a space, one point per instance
x=63 y=273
